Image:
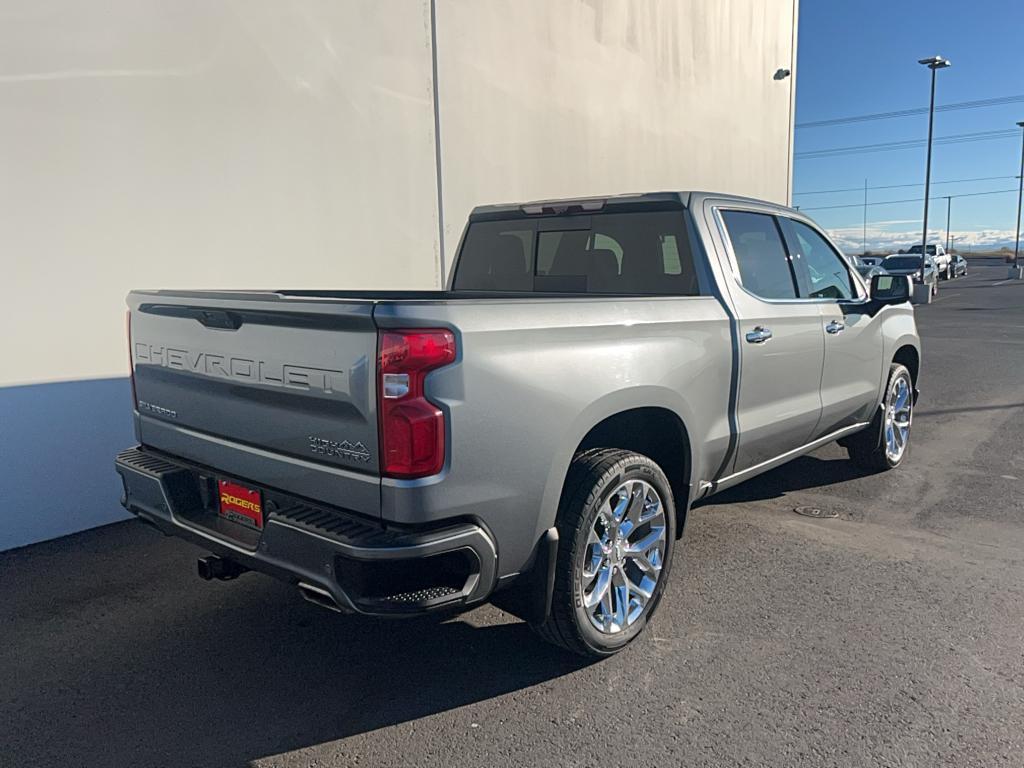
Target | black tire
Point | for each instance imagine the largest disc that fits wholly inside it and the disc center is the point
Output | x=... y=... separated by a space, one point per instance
x=593 y=477
x=867 y=449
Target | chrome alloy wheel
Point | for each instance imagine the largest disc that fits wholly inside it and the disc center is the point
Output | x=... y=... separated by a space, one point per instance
x=624 y=556
x=899 y=405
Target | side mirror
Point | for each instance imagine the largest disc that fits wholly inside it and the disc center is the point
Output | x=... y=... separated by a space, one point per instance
x=890 y=289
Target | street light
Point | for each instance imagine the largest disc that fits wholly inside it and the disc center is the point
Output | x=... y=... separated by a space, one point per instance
x=1020 y=193
x=934 y=63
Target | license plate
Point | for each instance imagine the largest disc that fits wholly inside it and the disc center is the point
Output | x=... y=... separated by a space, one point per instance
x=240 y=504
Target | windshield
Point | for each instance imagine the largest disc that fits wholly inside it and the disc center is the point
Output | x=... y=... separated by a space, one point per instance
x=902 y=262
x=917 y=249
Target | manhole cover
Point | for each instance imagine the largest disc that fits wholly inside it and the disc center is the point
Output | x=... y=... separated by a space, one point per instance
x=817 y=512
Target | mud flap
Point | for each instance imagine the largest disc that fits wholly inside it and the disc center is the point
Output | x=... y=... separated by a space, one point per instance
x=529 y=598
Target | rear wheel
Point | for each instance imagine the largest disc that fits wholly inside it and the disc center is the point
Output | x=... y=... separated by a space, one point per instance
x=884 y=444
x=616 y=528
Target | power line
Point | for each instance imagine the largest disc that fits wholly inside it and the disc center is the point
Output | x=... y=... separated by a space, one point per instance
x=956 y=138
x=993 y=102
x=889 y=146
x=908 y=200
x=898 y=186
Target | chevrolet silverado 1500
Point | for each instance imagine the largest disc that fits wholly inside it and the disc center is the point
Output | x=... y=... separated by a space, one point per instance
x=534 y=435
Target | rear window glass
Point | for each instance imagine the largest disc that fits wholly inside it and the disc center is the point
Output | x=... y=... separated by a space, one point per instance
x=644 y=252
x=496 y=256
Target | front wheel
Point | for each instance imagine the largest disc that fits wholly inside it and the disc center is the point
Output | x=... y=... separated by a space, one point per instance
x=616 y=526
x=884 y=444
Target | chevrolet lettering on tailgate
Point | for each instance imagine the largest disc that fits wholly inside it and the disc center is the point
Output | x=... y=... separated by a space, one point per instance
x=242 y=369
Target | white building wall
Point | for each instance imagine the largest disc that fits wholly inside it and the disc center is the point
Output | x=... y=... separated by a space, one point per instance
x=245 y=144
x=542 y=99
x=199 y=143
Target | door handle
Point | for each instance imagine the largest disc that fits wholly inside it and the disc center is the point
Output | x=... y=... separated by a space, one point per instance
x=836 y=326
x=759 y=335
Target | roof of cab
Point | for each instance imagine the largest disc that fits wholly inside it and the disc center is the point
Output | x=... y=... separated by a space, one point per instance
x=584 y=205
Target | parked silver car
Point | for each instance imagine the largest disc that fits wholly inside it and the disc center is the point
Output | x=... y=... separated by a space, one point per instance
x=958 y=266
x=910 y=266
x=865 y=269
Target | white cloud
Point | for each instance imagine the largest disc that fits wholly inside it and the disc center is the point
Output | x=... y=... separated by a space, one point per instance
x=881 y=238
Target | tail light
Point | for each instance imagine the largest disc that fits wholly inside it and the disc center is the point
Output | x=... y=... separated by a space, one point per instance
x=412 y=429
x=131 y=362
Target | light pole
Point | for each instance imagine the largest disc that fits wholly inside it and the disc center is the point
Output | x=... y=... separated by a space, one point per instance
x=1015 y=272
x=933 y=63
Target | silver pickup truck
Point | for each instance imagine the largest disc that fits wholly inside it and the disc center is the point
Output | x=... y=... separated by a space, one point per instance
x=534 y=435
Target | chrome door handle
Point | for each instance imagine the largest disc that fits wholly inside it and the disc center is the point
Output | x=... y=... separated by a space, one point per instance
x=759 y=335
x=835 y=327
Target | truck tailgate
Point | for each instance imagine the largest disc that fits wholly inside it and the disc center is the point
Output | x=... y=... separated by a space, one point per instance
x=278 y=389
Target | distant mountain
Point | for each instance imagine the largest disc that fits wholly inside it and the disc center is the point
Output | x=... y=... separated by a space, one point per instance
x=879 y=240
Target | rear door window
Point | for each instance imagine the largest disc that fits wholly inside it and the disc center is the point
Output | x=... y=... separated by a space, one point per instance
x=635 y=253
x=760 y=255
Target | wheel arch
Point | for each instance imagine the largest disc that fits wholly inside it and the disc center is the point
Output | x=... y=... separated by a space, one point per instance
x=901 y=344
x=909 y=356
x=654 y=431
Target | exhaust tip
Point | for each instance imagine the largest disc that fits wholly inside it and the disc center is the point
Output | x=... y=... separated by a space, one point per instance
x=319 y=596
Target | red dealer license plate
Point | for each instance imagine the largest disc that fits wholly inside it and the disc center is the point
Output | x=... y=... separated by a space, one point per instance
x=240 y=504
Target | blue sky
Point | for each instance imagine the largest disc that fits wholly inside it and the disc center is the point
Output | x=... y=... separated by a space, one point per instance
x=860 y=57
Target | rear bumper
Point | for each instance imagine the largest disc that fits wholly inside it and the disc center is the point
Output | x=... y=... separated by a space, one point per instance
x=359 y=564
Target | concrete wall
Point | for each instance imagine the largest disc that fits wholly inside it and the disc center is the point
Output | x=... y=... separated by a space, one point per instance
x=331 y=143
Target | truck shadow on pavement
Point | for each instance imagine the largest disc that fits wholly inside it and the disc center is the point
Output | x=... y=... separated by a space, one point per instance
x=146 y=665
x=798 y=475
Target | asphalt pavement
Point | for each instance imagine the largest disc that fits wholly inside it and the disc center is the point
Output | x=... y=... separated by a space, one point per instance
x=891 y=634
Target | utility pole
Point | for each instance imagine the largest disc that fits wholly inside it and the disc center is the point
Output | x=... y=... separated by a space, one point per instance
x=864 y=244
x=949 y=203
x=1016 y=272
x=933 y=63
